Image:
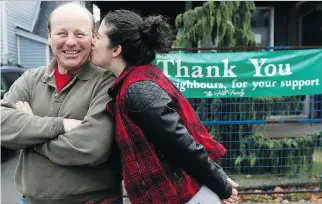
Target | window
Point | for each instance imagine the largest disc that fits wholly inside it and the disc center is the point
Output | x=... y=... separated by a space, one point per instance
x=262 y=24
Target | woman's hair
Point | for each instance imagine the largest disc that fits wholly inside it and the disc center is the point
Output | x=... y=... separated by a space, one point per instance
x=140 y=39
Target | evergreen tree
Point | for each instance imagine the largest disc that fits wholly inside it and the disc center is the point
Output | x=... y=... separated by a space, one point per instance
x=227 y=22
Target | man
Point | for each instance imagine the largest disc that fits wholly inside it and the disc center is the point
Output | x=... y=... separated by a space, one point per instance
x=59 y=163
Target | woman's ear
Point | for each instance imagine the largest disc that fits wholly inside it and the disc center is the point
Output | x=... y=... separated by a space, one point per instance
x=117 y=51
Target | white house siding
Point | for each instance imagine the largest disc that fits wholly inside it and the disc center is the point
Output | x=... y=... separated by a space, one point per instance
x=32 y=53
x=3 y=36
x=1 y=30
x=21 y=14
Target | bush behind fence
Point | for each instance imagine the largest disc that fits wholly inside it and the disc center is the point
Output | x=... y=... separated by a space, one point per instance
x=266 y=136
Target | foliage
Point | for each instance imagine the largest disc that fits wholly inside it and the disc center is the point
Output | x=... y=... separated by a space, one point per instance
x=241 y=109
x=227 y=21
x=278 y=156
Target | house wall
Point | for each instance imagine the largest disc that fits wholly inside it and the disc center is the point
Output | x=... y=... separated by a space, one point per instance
x=3 y=34
x=19 y=13
x=32 y=53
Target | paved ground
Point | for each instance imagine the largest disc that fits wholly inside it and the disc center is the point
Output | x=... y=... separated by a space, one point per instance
x=288 y=130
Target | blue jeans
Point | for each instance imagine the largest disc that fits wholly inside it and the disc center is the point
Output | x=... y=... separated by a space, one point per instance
x=205 y=196
x=22 y=201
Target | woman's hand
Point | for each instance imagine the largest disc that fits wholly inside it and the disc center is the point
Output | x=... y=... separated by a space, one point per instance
x=234 y=193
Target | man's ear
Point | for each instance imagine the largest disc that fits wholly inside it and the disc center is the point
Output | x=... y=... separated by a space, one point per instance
x=49 y=38
x=116 y=51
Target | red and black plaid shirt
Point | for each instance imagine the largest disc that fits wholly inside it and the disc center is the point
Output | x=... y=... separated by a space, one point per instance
x=144 y=177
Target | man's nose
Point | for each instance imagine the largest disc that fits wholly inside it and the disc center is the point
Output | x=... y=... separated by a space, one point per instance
x=71 y=41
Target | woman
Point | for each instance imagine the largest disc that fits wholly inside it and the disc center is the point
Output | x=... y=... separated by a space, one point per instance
x=167 y=154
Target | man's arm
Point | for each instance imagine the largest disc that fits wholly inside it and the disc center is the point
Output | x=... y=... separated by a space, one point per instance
x=153 y=110
x=20 y=130
x=89 y=143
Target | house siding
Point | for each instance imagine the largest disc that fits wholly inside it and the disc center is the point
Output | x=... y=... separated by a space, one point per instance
x=2 y=31
x=32 y=53
x=21 y=13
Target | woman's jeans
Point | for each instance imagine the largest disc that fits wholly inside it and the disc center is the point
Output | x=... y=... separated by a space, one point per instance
x=205 y=196
x=22 y=200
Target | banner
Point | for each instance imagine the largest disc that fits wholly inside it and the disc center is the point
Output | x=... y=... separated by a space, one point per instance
x=244 y=74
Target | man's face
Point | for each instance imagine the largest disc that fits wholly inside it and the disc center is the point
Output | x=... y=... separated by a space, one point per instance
x=71 y=37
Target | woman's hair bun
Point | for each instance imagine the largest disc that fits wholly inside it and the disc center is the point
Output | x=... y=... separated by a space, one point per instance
x=156 y=32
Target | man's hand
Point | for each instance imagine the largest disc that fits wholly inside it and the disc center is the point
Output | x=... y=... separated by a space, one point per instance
x=24 y=107
x=70 y=124
x=234 y=193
